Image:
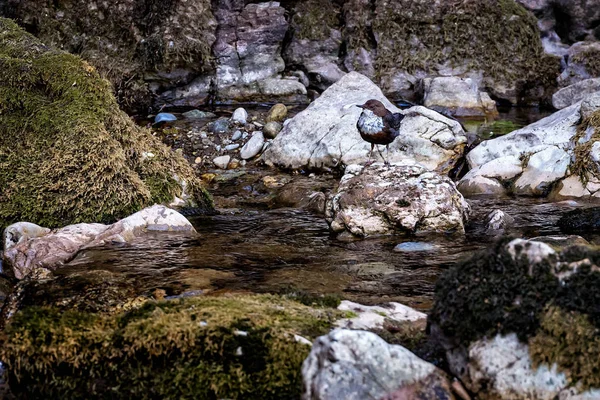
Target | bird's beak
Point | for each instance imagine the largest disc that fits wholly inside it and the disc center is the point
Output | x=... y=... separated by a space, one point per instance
x=360 y=106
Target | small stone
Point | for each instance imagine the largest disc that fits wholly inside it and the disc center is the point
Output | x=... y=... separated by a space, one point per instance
x=408 y=247
x=198 y=160
x=234 y=163
x=220 y=126
x=253 y=146
x=197 y=114
x=208 y=178
x=244 y=135
x=271 y=129
x=243 y=163
x=164 y=117
x=239 y=116
x=236 y=135
x=232 y=146
x=222 y=161
x=277 y=113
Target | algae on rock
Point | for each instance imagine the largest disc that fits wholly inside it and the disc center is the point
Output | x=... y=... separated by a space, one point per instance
x=67 y=153
x=204 y=348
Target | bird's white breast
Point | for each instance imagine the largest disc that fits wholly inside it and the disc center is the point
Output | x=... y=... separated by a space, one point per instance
x=369 y=123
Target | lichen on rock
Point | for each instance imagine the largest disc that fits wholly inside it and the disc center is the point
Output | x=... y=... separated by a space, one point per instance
x=67 y=153
x=205 y=347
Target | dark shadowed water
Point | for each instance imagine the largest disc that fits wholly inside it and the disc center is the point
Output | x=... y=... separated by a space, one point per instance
x=289 y=250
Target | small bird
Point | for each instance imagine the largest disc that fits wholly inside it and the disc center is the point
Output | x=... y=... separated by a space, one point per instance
x=378 y=125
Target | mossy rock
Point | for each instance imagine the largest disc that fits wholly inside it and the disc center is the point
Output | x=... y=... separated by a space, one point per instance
x=126 y=41
x=67 y=153
x=314 y=19
x=499 y=38
x=553 y=305
x=588 y=132
x=239 y=347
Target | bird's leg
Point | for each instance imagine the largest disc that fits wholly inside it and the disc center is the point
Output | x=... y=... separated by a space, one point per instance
x=369 y=162
x=382 y=157
x=387 y=150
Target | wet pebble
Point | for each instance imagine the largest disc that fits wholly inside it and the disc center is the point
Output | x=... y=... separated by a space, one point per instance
x=222 y=161
x=164 y=117
x=239 y=116
x=232 y=146
x=277 y=113
x=407 y=247
x=220 y=126
x=253 y=146
x=236 y=135
x=271 y=129
x=197 y=114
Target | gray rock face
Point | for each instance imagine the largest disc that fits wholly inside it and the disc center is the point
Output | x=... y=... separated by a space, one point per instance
x=460 y=97
x=253 y=146
x=405 y=196
x=325 y=136
x=357 y=365
x=582 y=58
x=535 y=160
x=51 y=250
x=574 y=93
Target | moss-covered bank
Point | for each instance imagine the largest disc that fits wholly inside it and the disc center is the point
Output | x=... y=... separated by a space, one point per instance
x=553 y=305
x=239 y=347
x=67 y=153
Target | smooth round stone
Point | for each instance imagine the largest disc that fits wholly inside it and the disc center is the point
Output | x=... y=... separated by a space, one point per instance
x=237 y=135
x=220 y=126
x=197 y=114
x=408 y=247
x=230 y=147
x=164 y=117
x=222 y=161
x=277 y=113
x=239 y=116
x=271 y=129
x=253 y=146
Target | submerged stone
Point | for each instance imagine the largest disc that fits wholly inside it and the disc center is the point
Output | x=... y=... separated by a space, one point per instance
x=409 y=247
x=164 y=117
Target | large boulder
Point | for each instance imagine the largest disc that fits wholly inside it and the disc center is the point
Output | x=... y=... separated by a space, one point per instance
x=520 y=320
x=381 y=199
x=67 y=153
x=582 y=63
x=498 y=39
x=27 y=249
x=355 y=365
x=236 y=347
x=324 y=135
x=460 y=97
x=554 y=156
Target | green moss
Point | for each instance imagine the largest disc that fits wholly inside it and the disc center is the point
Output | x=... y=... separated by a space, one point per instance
x=67 y=153
x=589 y=59
x=202 y=348
x=584 y=166
x=492 y=293
x=572 y=342
x=313 y=19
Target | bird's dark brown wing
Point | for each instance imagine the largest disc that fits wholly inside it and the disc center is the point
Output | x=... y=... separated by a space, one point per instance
x=394 y=120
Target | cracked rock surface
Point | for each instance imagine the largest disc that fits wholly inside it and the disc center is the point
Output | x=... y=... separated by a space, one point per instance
x=537 y=160
x=325 y=136
x=405 y=196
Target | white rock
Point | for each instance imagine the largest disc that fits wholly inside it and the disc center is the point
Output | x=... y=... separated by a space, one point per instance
x=20 y=232
x=405 y=196
x=498 y=220
x=253 y=146
x=325 y=133
x=222 y=161
x=459 y=96
x=358 y=365
x=574 y=93
x=476 y=184
x=570 y=187
x=535 y=252
x=543 y=169
x=370 y=317
x=240 y=116
x=55 y=248
x=502 y=366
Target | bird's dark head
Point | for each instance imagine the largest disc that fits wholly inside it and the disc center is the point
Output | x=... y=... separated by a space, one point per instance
x=376 y=107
